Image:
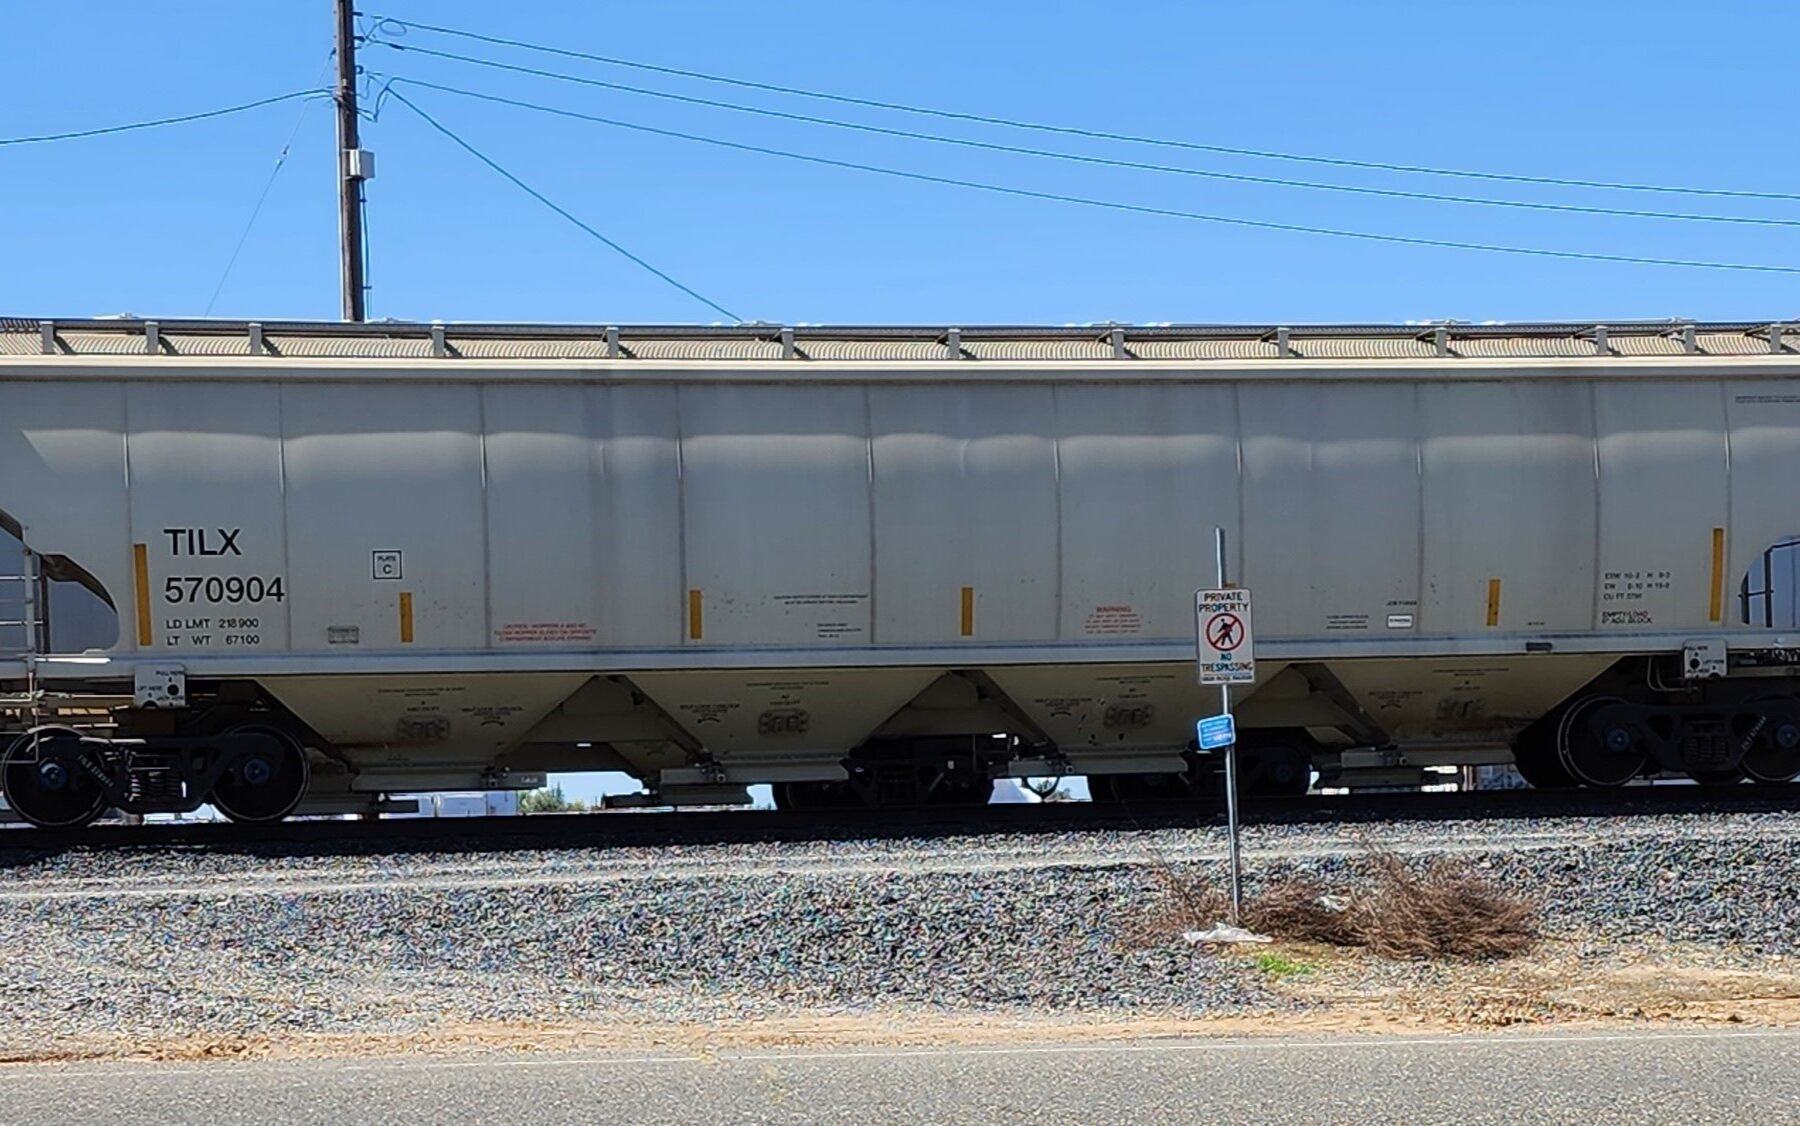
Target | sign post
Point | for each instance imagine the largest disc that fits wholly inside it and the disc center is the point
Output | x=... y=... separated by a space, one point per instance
x=1225 y=654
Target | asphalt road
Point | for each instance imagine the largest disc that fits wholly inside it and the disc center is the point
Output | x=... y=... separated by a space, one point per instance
x=1587 y=1078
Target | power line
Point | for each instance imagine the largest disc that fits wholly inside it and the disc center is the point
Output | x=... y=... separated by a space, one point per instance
x=1074 y=131
x=547 y=202
x=250 y=224
x=1113 y=205
x=244 y=235
x=1141 y=166
x=186 y=117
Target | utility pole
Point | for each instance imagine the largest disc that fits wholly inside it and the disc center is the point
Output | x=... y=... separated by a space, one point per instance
x=355 y=165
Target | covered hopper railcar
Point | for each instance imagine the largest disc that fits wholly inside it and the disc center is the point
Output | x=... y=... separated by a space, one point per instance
x=300 y=566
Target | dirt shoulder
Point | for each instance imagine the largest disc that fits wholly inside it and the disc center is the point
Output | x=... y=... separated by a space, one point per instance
x=1561 y=981
x=1563 y=984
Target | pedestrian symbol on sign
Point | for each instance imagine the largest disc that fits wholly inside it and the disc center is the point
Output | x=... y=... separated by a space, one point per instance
x=1226 y=632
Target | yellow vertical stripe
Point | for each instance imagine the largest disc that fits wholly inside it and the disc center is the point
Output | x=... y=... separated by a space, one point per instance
x=694 y=621
x=1715 y=606
x=968 y=611
x=1493 y=609
x=140 y=558
x=406 y=618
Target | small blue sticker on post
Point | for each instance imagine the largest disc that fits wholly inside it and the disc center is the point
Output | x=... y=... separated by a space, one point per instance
x=1216 y=731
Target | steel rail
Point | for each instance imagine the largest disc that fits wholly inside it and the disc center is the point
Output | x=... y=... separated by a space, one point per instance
x=649 y=829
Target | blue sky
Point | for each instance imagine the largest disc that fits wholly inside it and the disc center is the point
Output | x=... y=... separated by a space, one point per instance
x=1645 y=92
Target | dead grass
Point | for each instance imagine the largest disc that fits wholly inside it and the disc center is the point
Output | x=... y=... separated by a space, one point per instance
x=1306 y=911
x=1446 y=911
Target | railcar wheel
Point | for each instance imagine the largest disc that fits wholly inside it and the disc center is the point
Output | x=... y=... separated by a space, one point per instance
x=1278 y=769
x=43 y=787
x=1536 y=760
x=1775 y=755
x=1601 y=755
x=267 y=781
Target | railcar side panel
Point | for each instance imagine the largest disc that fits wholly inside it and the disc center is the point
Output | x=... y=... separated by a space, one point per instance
x=543 y=551
x=775 y=495
x=1509 y=507
x=385 y=517
x=636 y=462
x=965 y=514
x=1765 y=464
x=1331 y=509
x=1664 y=468
x=62 y=468
x=207 y=506
x=1145 y=473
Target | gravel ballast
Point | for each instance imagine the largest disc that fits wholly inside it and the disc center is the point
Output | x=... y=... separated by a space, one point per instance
x=160 y=945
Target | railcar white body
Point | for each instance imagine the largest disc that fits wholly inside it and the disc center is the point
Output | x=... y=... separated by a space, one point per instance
x=458 y=557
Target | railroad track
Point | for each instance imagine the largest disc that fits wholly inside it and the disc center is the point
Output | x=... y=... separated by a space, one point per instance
x=640 y=829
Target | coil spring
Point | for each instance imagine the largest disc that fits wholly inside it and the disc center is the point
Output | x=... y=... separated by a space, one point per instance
x=153 y=780
x=1706 y=751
